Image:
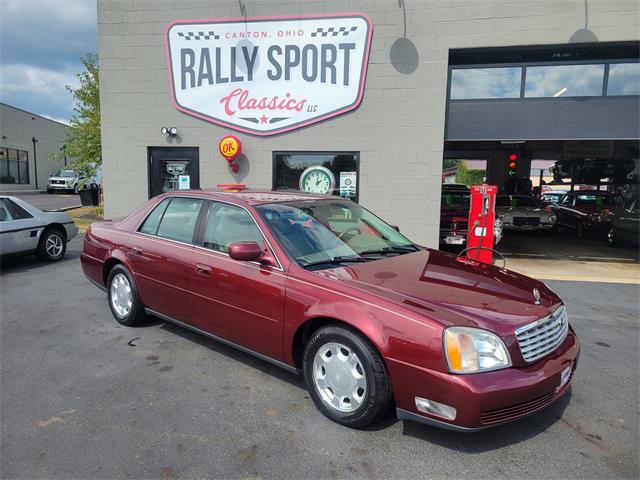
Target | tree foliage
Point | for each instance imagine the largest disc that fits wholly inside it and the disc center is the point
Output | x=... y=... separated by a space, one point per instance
x=469 y=177
x=83 y=143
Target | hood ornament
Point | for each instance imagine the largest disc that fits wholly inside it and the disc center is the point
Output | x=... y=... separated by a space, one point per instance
x=536 y=296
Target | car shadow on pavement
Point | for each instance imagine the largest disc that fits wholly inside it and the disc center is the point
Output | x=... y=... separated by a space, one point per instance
x=235 y=354
x=23 y=263
x=492 y=438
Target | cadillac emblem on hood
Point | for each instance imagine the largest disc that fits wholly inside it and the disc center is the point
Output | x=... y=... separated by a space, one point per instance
x=536 y=296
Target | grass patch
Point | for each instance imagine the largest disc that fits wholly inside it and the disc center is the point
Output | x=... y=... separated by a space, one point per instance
x=85 y=216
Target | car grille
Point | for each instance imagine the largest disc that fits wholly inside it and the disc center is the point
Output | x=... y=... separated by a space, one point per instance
x=57 y=182
x=519 y=221
x=542 y=337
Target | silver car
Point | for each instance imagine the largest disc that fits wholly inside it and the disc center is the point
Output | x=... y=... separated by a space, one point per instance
x=64 y=180
x=25 y=229
x=520 y=212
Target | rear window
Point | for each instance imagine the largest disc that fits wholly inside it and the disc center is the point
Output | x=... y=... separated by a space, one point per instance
x=150 y=225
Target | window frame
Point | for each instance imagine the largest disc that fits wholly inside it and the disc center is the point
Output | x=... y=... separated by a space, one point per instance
x=355 y=153
x=14 y=209
x=18 y=161
x=171 y=198
x=524 y=66
x=485 y=67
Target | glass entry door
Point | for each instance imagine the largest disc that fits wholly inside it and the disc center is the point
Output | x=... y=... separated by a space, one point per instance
x=173 y=168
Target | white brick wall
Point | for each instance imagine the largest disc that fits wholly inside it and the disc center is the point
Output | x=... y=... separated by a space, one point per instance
x=17 y=128
x=398 y=128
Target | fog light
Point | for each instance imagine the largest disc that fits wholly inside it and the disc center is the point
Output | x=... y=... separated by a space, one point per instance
x=435 y=408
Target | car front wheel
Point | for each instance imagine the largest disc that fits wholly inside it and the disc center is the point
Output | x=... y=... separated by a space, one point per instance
x=123 y=297
x=612 y=237
x=52 y=246
x=346 y=377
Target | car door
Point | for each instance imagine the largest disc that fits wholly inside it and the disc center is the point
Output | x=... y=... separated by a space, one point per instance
x=242 y=302
x=160 y=256
x=564 y=211
x=19 y=230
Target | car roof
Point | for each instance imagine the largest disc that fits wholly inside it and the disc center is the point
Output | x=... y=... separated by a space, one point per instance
x=253 y=197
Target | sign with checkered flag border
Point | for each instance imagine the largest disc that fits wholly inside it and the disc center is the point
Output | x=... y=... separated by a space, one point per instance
x=266 y=76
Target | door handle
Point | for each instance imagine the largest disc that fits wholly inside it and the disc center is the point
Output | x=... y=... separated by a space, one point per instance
x=137 y=250
x=203 y=269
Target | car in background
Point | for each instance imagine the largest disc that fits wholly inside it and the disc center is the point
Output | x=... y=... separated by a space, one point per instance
x=523 y=213
x=64 y=181
x=550 y=197
x=579 y=210
x=318 y=285
x=455 y=202
x=624 y=222
x=26 y=229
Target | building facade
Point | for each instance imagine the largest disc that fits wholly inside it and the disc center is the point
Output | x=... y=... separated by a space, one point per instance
x=27 y=143
x=421 y=79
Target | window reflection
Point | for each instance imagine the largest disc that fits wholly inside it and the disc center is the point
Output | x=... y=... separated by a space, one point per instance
x=624 y=79
x=564 y=81
x=498 y=82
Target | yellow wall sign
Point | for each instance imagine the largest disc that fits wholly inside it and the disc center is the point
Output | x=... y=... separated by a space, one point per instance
x=230 y=147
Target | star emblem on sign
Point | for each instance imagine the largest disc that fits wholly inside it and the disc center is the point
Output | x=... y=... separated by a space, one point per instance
x=264 y=118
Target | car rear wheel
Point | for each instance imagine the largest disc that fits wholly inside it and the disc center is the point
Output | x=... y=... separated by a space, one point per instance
x=346 y=377
x=123 y=297
x=52 y=246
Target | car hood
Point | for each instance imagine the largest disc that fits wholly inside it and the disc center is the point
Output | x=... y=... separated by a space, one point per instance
x=451 y=290
x=62 y=178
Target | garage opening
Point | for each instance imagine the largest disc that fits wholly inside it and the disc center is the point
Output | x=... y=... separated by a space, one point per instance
x=556 y=130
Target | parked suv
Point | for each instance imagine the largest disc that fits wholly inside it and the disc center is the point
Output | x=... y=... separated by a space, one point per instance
x=64 y=180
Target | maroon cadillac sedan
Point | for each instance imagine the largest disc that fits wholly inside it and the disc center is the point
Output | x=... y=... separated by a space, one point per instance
x=320 y=286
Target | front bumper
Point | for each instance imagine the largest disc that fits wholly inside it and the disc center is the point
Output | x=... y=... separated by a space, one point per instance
x=528 y=228
x=484 y=400
x=57 y=186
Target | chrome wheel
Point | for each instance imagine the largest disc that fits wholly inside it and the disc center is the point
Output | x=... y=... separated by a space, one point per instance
x=339 y=377
x=54 y=245
x=121 y=295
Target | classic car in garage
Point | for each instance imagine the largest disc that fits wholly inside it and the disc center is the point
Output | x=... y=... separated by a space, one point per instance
x=624 y=222
x=522 y=212
x=578 y=210
x=320 y=286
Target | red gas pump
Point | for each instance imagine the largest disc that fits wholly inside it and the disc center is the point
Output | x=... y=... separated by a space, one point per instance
x=480 y=235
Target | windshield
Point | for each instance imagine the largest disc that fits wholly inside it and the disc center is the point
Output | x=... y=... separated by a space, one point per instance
x=455 y=200
x=313 y=231
x=65 y=173
x=514 y=201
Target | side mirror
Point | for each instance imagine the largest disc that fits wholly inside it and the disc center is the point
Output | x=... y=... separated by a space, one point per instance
x=245 y=251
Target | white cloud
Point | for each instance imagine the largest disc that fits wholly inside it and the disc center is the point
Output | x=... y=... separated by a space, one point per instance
x=59 y=120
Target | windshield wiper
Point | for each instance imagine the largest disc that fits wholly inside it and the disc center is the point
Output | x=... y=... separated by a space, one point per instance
x=335 y=261
x=384 y=250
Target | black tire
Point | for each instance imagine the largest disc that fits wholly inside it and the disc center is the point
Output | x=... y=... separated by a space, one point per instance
x=580 y=230
x=45 y=251
x=49 y=190
x=378 y=397
x=136 y=314
x=612 y=237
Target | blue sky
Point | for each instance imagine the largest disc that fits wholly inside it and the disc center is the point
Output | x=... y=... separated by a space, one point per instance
x=41 y=42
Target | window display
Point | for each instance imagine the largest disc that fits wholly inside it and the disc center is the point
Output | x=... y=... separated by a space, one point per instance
x=333 y=173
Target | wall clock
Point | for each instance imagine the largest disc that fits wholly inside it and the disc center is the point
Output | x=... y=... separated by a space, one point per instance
x=317 y=179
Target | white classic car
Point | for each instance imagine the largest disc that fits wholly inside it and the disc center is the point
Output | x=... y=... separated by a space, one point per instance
x=520 y=212
x=25 y=229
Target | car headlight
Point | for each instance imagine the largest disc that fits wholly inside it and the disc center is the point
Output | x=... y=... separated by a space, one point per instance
x=471 y=350
x=552 y=219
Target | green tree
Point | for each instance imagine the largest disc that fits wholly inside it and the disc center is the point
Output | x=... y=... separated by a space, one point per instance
x=462 y=174
x=83 y=143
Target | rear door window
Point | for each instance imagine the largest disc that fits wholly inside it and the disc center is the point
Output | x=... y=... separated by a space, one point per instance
x=179 y=219
x=5 y=214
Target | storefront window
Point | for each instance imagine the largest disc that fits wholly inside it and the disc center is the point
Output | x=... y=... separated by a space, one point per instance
x=564 y=81
x=14 y=166
x=499 y=82
x=624 y=79
x=317 y=172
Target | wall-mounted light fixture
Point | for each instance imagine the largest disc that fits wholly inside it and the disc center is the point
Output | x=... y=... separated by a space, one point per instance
x=169 y=131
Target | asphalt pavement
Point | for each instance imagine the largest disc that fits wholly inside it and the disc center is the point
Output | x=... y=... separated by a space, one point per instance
x=83 y=397
x=51 y=201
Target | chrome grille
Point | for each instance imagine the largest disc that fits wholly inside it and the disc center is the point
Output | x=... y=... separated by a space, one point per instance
x=543 y=336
